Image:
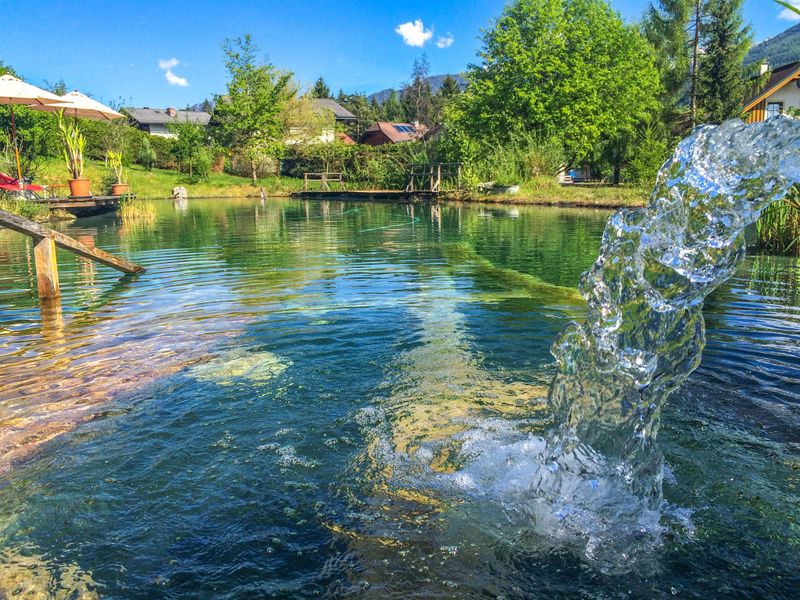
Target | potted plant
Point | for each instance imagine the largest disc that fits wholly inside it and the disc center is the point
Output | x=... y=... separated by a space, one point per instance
x=115 y=162
x=74 y=143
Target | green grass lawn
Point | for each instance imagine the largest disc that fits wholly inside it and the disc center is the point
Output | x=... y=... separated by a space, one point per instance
x=546 y=190
x=158 y=183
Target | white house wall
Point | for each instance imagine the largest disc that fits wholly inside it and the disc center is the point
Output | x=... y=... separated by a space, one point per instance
x=788 y=94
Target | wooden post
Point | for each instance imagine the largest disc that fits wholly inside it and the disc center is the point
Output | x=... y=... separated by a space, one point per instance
x=305 y=182
x=44 y=253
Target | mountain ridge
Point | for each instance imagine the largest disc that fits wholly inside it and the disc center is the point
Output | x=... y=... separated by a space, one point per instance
x=778 y=50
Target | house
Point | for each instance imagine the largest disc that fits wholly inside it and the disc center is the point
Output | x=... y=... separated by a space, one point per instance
x=155 y=120
x=340 y=113
x=304 y=134
x=384 y=132
x=781 y=93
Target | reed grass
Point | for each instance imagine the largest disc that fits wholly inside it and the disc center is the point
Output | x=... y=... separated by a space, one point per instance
x=137 y=211
x=778 y=229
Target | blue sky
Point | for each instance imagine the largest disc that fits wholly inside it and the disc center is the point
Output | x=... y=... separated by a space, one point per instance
x=161 y=54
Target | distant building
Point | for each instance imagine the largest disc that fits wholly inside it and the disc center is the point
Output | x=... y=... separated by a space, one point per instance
x=305 y=135
x=155 y=120
x=781 y=93
x=384 y=132
x=340 y=113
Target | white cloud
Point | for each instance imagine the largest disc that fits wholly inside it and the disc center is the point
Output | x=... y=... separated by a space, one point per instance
x=168 y=64
x=414 y=34
x=445 y=41
x=172 y=79
x=788 y=15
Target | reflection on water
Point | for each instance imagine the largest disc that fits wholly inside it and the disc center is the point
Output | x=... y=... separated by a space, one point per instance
x=298 y=399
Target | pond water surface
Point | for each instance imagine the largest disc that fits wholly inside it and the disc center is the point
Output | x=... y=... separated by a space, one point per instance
x=273 y=408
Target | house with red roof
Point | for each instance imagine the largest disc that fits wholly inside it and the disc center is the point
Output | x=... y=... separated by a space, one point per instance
x=384 y=132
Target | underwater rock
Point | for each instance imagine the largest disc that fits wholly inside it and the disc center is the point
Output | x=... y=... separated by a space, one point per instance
x=241 y=364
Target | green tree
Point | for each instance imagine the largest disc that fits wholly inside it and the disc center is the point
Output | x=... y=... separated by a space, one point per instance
x=59 y=87
x=5 y=68
x=392 y=108
x=320 y=89
x=189 y=148
x=723 y=81
x=667 y=27
x=249 y=119
x=361 y=108
x=447 y=93
x=377 y=109
x=147 y=155
x=416 y=97
x=565 y=69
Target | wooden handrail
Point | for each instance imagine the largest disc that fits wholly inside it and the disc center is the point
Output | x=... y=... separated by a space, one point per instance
x=45 y=241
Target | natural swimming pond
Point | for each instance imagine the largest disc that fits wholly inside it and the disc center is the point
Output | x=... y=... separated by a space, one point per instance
x=277 y=407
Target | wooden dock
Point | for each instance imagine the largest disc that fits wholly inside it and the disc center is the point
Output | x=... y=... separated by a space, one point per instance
x=45 y=241
x=84 y=207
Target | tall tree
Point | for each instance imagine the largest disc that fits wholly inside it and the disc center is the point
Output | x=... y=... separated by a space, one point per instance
x=392 y=108
x=416 y=97
x=447 y=93
x=361 y=108
x=667 y=26
x=320 y=89
x=249 y=119
x=377 y=109
x=723 y=80
x=694 y=85
x=564 y=69
x=450 y=87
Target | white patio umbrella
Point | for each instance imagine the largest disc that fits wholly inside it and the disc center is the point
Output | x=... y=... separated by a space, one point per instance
x=14 y=91
x=81 y=106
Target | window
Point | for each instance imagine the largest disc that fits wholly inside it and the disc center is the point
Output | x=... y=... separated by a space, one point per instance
x=774 y=108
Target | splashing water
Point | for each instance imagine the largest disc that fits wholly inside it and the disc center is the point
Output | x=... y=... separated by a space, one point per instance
x=644 y=331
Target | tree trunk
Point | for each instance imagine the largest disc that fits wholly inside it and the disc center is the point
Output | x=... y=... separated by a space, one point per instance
x=695 y=57
x=616 y=177
x=253 y=169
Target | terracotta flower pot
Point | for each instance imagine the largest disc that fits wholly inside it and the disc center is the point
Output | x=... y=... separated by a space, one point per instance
x=79 y=188
x=120 y=189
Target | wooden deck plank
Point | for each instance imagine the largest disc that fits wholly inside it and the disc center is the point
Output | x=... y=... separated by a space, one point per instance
x=36 y=231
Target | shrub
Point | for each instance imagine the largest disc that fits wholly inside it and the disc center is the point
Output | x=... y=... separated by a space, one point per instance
x=649 y=152
x=24 y=208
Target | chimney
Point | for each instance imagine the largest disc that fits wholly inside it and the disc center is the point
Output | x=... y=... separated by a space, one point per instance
x=172 y=112
x=763 y=67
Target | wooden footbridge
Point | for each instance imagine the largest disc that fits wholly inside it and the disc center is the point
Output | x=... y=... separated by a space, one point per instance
x=426 y=181
x=45 y=242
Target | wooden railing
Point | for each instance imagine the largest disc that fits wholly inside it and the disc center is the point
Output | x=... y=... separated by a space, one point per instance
x=434 y=177
x=44 y=250
x=324 y=179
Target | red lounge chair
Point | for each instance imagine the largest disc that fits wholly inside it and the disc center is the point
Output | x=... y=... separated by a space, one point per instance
x=10 y=184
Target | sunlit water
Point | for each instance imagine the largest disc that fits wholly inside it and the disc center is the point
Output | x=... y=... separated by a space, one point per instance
x=294 y=399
